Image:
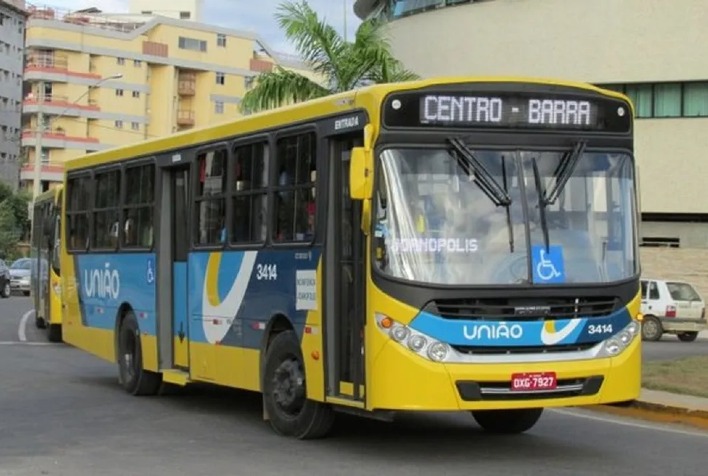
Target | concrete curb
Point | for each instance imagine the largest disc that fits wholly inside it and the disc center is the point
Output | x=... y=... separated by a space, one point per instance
x=656 y=412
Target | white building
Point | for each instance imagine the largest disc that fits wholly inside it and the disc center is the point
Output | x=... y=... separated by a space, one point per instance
x=653 y=50
x=179 y=9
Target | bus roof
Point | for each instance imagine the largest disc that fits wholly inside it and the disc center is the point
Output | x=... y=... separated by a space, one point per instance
x=369 y=96
x=51 y=194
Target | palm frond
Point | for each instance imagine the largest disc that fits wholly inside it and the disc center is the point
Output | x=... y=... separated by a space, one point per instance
x=318 y=43
x=278 y=88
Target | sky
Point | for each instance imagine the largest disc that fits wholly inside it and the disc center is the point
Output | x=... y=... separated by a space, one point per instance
x=251 y=15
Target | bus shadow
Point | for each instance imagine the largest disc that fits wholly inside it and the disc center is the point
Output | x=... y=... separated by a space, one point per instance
x=412 y=436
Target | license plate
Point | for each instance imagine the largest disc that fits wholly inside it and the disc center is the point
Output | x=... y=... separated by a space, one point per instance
x=531 y=382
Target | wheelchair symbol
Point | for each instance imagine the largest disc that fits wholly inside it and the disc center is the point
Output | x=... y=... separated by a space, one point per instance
x=546 y=270
x=150 y=272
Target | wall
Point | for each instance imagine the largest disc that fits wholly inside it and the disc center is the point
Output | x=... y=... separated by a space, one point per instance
x=677 y=263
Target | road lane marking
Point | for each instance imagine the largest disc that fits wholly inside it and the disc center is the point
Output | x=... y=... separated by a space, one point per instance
x=22 y=330
x=643 y=426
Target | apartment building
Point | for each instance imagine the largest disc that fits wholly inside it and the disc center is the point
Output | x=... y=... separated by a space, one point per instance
x=12 y=38
x=652 y=50
x=95 y=81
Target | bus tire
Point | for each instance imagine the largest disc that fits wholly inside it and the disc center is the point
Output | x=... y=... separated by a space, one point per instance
x=134 y=378
x=285 y=393
x=40 y=323
x=507 y=421
x=53 y=332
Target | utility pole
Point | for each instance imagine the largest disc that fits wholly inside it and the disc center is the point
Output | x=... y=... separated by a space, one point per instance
x=39 y=134
x=345 y=19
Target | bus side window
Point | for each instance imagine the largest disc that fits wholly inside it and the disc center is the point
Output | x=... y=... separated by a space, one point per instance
x=138 y=212
x=296 y=161
x=211 y=201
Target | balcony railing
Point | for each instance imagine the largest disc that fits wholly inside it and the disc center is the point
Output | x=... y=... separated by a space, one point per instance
x=187 y=86
x=40 y=60
x=185 y=117
x=261 y=66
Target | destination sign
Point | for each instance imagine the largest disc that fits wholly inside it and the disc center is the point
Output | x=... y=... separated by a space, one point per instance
x=507 y=110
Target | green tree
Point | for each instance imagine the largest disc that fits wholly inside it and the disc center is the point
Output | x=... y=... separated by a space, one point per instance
x=10 y=233
x=342 y=65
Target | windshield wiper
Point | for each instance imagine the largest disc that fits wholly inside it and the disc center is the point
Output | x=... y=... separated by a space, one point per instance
x=471 y=165
x=508 y=208
x=564 y=171
x=541 y=204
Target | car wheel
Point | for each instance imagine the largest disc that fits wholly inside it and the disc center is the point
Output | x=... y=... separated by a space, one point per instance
x=5 y=291
x=651 y=329
x=687 y=336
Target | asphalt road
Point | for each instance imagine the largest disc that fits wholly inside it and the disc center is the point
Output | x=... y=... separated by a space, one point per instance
x=62 y=413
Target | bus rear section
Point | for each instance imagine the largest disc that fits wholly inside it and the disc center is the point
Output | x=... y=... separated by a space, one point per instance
x=503 y=251
x=45 y=283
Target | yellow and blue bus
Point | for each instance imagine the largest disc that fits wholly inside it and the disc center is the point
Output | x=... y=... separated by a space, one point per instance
x=456 y=244
x=45 y=282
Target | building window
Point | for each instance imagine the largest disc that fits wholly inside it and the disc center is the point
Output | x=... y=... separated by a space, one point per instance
x=119 y=124
x=136 y=94
x=220 y=78
x=667 y=100
x=192 y=44
x=249 y=207
x=695 y=99
x=185 y=15
x=211 y=198
x=120 y=61
x=135 y=126
x=295 y=191
x=137 y=63
x=119 y=92
x=221 y=40
x=219 y=107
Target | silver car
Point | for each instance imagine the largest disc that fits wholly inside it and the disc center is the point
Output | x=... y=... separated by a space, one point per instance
x=20 y=275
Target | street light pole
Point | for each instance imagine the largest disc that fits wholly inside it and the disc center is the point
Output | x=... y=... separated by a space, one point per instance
x=38 y=145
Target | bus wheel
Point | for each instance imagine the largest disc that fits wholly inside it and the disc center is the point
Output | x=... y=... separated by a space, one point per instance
x=507 y=421
x=285 y=393
x=134 y=378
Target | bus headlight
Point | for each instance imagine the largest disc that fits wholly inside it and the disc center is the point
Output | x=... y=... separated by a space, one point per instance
x=413 y=340
x=616 y=344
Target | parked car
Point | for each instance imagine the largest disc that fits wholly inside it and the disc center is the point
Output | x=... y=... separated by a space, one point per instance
x=5 y=289
x=671 y=307
x=21 y=274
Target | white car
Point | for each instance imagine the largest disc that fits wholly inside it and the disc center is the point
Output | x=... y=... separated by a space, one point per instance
x=671 y=307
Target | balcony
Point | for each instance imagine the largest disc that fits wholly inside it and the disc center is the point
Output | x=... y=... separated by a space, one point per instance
x=55 y=104
x=187 y=84
x=185 y=117
x=47 y=61
x=58 y=139
x=52 y=172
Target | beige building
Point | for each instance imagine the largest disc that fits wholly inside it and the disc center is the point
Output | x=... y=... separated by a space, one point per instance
x=653 y=50
x=95 y=81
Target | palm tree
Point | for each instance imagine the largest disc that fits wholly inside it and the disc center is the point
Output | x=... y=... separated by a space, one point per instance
x=343 y=65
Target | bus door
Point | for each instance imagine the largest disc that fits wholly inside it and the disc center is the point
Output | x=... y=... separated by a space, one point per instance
x=172 y=252
x=344 y=277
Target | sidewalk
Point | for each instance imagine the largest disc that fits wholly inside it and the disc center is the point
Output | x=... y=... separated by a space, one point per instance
x=673 y=401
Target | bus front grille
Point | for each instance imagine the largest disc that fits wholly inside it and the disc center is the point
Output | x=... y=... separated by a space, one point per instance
x=520 y=309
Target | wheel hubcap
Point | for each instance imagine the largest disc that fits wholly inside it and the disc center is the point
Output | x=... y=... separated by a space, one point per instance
x=650 y=328
x=128 y=356
x=289 y=387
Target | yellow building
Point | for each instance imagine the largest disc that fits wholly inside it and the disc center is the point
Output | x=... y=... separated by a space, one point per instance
x=94 y=81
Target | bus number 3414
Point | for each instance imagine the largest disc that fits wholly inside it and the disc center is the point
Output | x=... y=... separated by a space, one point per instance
x=267 y=272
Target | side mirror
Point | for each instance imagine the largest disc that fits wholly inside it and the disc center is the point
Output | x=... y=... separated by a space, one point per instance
x=361 y=174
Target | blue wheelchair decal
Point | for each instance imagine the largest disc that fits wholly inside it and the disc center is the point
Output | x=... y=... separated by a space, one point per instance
x=548 y=266
x=150 y=272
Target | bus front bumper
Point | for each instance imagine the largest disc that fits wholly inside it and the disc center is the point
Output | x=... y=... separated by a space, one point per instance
x=403 y=380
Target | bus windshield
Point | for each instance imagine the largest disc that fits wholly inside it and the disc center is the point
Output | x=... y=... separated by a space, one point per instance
x=462 y=216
